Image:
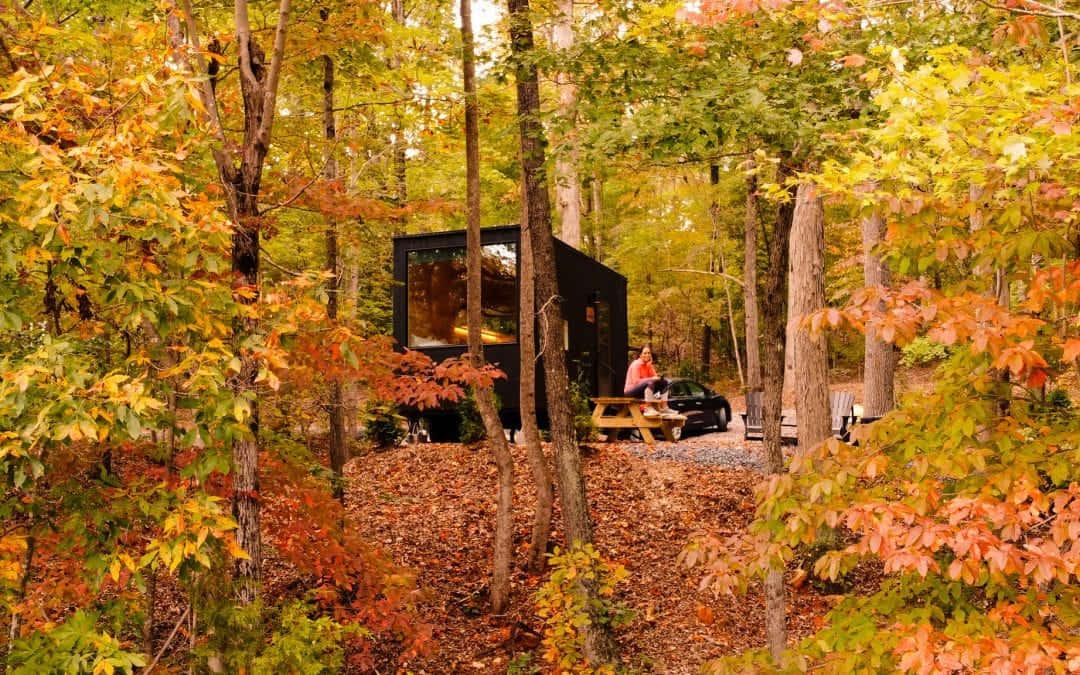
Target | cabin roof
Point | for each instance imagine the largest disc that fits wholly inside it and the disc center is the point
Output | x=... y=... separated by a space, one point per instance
x=405 y=238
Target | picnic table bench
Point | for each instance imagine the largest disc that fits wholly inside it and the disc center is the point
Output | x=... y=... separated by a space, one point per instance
x=628 y=415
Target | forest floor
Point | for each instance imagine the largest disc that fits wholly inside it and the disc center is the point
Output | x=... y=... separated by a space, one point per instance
x=432 y=508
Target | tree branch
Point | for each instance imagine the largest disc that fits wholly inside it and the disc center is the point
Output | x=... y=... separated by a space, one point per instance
x=711 y=274
x=206 y=92
x=243 y=42
x=1040 y=10
x=168 y=642
x=273 y=75
x=276 y=266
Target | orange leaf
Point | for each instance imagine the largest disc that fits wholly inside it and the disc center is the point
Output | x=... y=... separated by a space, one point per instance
x=705 y=614
x=853 y=60
x=1072 y=349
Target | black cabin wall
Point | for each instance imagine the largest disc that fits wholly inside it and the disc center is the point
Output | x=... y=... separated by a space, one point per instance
x=583 y=283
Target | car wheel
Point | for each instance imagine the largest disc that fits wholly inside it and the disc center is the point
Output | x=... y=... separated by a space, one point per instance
x=676 y=432
x=721 y=420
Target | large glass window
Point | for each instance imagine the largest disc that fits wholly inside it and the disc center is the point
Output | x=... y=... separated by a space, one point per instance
x=437 y=296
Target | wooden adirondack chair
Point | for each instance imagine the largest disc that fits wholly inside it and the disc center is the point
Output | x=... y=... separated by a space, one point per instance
x=842 y=407
x=753 y=420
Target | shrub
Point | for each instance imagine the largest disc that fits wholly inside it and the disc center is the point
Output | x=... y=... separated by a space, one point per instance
x=304 y=645
x=922 y=350
x=581 y=408
x=563 y=604
x=383 y=426
x=471 y=427
x=1058 y=400
x=75 y=646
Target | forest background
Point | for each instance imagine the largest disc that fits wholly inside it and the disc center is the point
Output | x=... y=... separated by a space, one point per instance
x=197 y=208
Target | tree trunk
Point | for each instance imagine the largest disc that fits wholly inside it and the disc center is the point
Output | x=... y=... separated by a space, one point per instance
x=401 y=190
x=599 y=644
x=750 y=302
x=714 y=214
x=241 y=183
x=485 y=400
x=339 y=451
x=598 y=217
x=24 y=581
x=772 y=362
x=567 y=185
x=881 y=357
x=538 y=464
x=808 y=296
x=151 y=612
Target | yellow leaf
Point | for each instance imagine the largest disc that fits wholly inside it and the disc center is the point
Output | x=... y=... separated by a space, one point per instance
x=105 y=667
x=114 y=570
x=237 y=552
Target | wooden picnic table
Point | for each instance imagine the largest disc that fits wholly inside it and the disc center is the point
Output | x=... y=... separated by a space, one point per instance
x=628 y=415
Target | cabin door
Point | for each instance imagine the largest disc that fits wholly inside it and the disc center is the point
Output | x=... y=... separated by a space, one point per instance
x=604 y=375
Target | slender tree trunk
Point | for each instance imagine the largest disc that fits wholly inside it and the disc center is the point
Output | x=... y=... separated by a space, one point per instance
x=151 y=611
x=485 y=400
x=599 y=644
x=339 y=450
x=881 y=357
x=772 y=362
x=24 y=581
x=567 y=185
x=538 y=463
x=598 y=218
x=750 y=301
x=241 y=182
x=174 y=32
x=731 y=323
x=714 y=215
x=401 y=190
x=808 y=296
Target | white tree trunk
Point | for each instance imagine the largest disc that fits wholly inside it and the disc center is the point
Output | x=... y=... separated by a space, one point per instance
x=567 y=185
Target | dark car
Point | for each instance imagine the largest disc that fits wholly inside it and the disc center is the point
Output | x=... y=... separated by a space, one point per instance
x=704 y=408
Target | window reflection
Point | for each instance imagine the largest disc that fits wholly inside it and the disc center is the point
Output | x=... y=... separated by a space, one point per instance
x=438 y=302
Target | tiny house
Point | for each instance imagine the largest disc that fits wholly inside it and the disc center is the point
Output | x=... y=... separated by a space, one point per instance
x=430 y=313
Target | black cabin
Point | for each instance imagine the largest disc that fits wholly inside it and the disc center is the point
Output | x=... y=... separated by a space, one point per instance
x=430 y=310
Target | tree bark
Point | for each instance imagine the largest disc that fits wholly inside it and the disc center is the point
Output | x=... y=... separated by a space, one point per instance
x=772 y=362
x=881 y=357
x=567 y=184
x=808 y=296
x=750 y=301
x=538 y=463
x=485 y=400
x=599 y=644
x=339 y=451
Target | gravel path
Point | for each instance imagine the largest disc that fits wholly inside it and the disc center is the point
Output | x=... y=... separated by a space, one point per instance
x=724 y=449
